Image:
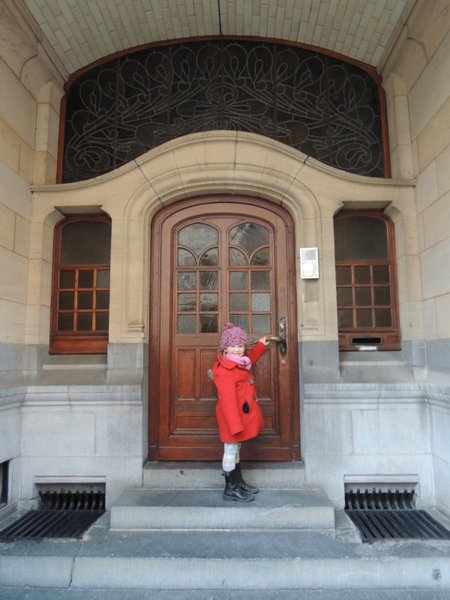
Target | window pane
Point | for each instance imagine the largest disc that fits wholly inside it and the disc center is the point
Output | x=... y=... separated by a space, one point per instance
x=86 y=243
x=187 y=281
x=261 y=324
x=102 y=300
x=344 y=297
x=208 y=324
x=260 y=302
x=381 y=274
x=360 y=238
x=345 y=318
x=383 y=317
x=103 y=279
x=260 y=280
x=362 y=274
x=186 y=259
x=210 y=258
x=85 y=279
x=67 y=279
x=364 y=318
x=65 y=322
x=249 y=237
x=239 y=302
x=240 y=321
x=84 y=322
x=238 y=280
x=261 y=257
x=187 y=303
x=363 y=296
x=382 y=296
x=186 y=324
x=66 y=300
x=197 y=237
x=208 y=280
x=85 y=300
x=343 y=275
x=236 y=258
x=102 y=321
x=208 y=302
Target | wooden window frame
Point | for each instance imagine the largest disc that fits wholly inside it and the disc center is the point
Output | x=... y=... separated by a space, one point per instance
x=382 y=338
x=75 y=342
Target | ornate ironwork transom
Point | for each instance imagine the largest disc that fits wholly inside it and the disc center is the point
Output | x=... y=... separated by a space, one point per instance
x=327 y=108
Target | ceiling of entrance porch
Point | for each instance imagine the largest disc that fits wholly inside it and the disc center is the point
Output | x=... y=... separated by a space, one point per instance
x=80 y=32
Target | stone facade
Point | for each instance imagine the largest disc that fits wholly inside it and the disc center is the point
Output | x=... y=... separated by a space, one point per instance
x=365 y=417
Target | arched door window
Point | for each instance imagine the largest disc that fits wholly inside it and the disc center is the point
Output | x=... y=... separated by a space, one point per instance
x=366 y=281
x=80 y=301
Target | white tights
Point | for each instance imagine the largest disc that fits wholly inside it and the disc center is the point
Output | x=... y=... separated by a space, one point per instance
x=230 y=456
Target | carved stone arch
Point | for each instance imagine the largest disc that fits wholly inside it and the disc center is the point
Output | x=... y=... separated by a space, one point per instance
x=249 y=165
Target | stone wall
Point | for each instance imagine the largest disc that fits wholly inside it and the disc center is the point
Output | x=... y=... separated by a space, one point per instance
x=31 y=88
x=418 y=90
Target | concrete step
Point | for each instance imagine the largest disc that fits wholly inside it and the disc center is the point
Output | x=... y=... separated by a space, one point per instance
x=205 y=509
x=201 y=475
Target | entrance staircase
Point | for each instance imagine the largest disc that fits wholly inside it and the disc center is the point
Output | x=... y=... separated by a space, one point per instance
x=176 y=533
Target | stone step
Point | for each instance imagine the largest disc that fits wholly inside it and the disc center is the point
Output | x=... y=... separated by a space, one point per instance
x=206 y=509
x=223 y=560
x=190 y=475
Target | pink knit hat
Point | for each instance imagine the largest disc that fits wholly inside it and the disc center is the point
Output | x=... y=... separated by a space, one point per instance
x=233 y=336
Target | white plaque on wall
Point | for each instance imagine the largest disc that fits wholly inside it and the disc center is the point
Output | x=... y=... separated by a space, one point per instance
x=309 y=263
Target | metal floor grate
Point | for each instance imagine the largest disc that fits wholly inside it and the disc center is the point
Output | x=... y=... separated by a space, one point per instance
x=62 y=515
x=391 y=515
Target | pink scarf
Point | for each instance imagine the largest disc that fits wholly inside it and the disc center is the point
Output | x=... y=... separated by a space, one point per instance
x=244 y=361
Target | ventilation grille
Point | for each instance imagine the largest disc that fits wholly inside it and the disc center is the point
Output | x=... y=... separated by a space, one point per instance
x=62 y=514
x=387 y=514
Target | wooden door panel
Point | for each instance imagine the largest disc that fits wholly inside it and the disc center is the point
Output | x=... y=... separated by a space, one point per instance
x=213 y=261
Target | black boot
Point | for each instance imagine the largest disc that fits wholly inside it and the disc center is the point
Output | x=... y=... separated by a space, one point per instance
x=252 y=489
x=233 y=490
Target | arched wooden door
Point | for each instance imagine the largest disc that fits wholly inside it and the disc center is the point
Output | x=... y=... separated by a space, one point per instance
x=215 y=260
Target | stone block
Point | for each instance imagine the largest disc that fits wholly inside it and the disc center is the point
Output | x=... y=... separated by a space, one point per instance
x=9 y=147
x=435 y=262
x=436 y=220
x=17 y=107
x=431 y=24
x=443 y=171
x=15 y=49
x=13 y=319
x=7 y=220
x=443 y=316
x=427 y=187
x=57 y=434
x=424 y=105
x=10 y=430
x=392 y=429
x=442 y=484
x=329 y=430
x=22 y=236
x=13 y=276
x=14 y=192
x=435 y=137
x=440 y=426
x=118 y=431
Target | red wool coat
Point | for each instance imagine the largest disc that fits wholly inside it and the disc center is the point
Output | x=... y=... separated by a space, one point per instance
x=236 y=386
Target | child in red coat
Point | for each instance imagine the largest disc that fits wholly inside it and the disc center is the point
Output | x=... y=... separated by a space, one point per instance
x=239 y=416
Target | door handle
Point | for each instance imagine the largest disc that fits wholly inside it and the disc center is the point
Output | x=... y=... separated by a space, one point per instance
x=281 y=338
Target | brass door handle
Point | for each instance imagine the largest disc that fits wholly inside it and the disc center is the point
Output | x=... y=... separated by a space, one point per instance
x=275 y=338
x=280 y=339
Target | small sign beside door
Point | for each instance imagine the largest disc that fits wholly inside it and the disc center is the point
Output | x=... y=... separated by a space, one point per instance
x=309 y=263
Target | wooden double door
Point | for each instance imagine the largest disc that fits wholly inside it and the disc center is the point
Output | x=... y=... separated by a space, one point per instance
x=218 y=259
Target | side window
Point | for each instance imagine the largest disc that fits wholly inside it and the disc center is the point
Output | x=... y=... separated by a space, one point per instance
x=80 y=299
x=366 y=281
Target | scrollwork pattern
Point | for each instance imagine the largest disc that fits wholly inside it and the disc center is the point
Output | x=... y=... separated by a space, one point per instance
x=324 y=107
